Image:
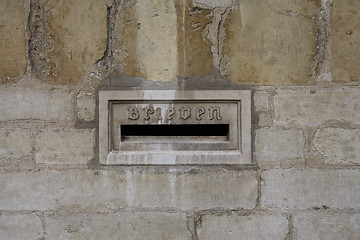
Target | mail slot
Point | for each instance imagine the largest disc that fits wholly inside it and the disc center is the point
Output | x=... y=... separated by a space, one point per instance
x=174 y=127
x=188 y=130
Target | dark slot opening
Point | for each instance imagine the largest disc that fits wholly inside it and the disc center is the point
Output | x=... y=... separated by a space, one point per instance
x=175 y=130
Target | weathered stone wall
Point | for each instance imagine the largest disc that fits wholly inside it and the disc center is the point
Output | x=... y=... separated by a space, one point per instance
x=300 y=58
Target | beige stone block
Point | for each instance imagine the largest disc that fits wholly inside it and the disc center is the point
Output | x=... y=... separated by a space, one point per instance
x=307 y=107
x=326 y=226
x=18 y=226
x=120 y=225
x=270 y=42
x=338 y=146
x=15 y=143
x=273 y=144
x=310 y=188
x=345 y=35
x=85 y=103
x=67 y=38
x=131 y=188
x=165 y=39
x=12 y=40
x=34 y=104
x=149 y=39
x=253 y=226
x=65 y=146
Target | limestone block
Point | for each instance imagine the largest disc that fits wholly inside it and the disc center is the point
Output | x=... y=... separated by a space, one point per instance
x=85 y=103
x=215 y=3
x=67 y=38
x=232 y=226
x=121 y=225
x=165 y=39
x=133 y=188
x=326 y=226
x=305 y=107
x=65 y=146
x=12 y=40
x=345 y=35
x=310 y=188
x=338 y=146
x=273 y=144
x=15 y=143
x=270 y=42
x=261 y=102
x=35 y=104
x=20 y=226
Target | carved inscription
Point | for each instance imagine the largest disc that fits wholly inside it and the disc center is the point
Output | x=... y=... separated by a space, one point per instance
x=183 y=112
x=133 y=113
x=199 y=111
x=147 y=112
x=214 y=111
x=169 y=113
x=158 y=113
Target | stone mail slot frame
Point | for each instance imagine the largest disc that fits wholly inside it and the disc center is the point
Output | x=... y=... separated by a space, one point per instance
x=174 y=127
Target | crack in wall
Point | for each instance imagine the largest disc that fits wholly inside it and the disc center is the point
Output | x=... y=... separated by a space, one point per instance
x=37 y=52
x=221 y=35
x=291 y=13
x=320 y=67
x=191 y=222
x=43 y=224
x=289 y=235
x=213 y=34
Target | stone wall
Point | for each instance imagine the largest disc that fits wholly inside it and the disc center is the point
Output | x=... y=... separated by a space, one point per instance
x=300 y=58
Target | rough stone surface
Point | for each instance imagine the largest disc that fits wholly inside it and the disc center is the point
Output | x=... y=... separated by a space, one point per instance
x=85 y=103
x=310 y=188
x=261 y=100
x=51 y=189
x=273 y=144
x=15 y=143
x=12 y=40
x=163 y=40
x=35 y=104
x=326 y=226
x=338 y=146
x=20 y=226
x=345 y=35
x=149 y=39
x=232 y=226
x=215 y=3
x=307 y=107
x=67 y=38
x=65 y=146
x=121 y=225
x=270 y=42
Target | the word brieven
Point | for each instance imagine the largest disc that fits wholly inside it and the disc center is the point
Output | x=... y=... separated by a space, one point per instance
x=183 y=112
